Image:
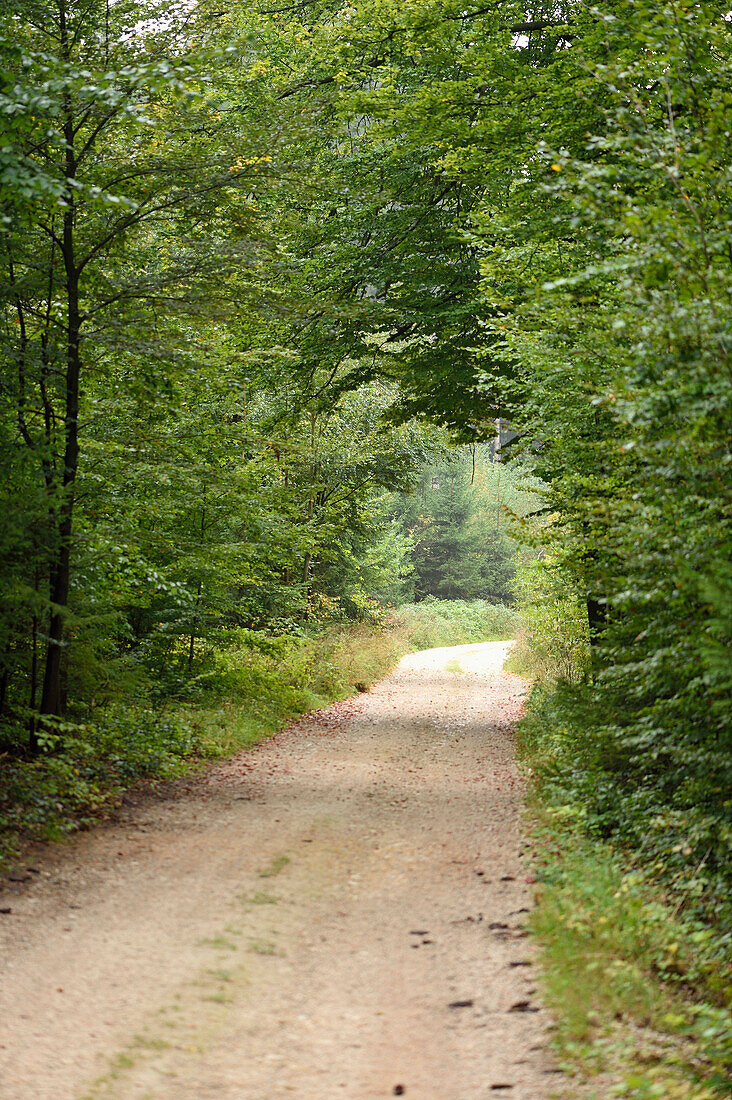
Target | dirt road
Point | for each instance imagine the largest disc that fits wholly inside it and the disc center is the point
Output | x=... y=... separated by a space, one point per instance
x=335 y=914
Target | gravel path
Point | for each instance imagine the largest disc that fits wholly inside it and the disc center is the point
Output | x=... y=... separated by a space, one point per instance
x=338 y=913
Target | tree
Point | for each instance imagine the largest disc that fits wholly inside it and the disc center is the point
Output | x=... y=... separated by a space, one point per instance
x=106 y=240
x=461 y=550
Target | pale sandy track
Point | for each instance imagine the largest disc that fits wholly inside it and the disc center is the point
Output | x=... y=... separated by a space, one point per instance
x=153 y=958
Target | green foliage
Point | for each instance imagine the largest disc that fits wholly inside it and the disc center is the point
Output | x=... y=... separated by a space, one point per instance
x=581 y=763
x=433 y=623
x=555 y=642
x=619 y=329
x=84 y=768
x=458 y=523
x=640 y=992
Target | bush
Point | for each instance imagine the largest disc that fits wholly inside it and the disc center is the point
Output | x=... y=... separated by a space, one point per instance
x=85 y=767
x=554 y=643
x=636 y=749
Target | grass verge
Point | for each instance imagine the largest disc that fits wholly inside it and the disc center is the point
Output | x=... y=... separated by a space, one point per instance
x=640 y=992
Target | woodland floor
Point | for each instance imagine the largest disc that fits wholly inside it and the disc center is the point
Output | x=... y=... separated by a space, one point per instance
x=337 y=913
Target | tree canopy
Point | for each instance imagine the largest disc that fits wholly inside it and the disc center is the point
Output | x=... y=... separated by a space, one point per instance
x=260 y=264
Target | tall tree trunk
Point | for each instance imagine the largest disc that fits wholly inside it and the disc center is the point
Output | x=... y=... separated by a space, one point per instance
x=32 y=733
x=194 y=623
x=63 y=513
x=308 y=560
x=199 y=590
x=307 y=584
x=61 y=567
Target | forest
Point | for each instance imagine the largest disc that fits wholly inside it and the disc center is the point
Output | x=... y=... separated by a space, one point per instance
x=331 y=329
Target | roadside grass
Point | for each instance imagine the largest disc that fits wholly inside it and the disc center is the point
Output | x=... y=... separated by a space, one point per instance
x=248 y=687
x=639 y=989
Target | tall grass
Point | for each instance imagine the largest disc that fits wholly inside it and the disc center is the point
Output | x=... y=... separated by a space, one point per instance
x=638 y=989
x=258 y=688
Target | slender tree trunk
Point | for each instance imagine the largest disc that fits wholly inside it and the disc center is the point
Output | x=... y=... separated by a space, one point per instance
x=60 y=581
x=498 y=499
x=4 y=681
x=199 y=590
x=63 y=513
x=307 y=584
x=192 y=640
x=32 y=735
x=307 y=562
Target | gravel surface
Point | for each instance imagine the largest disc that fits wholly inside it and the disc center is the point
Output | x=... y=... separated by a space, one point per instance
x=338 y=913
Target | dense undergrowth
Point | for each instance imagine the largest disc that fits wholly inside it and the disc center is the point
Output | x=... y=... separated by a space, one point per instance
x=246 y=691
x=637 y=987
x=635 y=933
